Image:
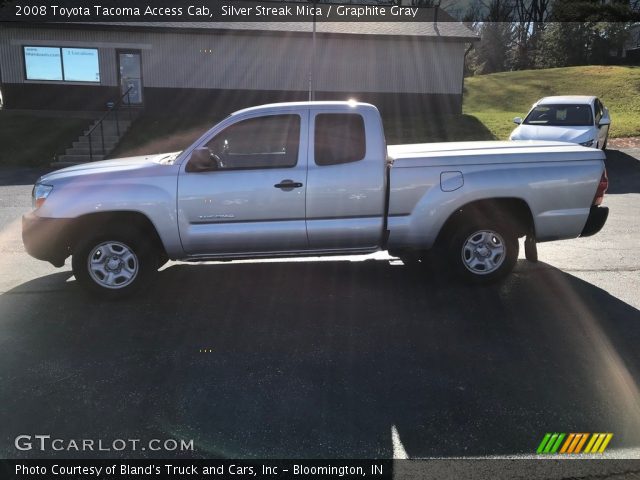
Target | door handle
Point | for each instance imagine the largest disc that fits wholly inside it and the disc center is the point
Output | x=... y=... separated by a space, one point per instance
x=288 y=185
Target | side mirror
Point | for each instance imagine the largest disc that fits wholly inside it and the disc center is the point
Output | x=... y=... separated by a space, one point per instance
x=201 y=161
x=517 y=120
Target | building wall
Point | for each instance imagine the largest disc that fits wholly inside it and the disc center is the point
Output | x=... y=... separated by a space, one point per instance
x=175 y=63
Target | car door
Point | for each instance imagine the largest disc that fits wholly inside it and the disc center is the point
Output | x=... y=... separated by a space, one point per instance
x=345 y=180
x=602 y=130
x=252 y=198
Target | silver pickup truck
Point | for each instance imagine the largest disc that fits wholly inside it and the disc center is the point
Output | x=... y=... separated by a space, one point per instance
x=314 y=178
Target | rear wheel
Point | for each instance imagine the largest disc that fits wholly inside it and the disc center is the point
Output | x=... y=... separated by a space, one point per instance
x=113 y=265
x=483 y=252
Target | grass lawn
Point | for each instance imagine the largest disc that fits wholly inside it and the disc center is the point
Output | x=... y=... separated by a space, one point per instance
x=495 y=99
x=33 y=141
x=445 y=128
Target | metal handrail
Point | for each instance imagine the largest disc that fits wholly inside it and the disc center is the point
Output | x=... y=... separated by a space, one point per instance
x=113 y=107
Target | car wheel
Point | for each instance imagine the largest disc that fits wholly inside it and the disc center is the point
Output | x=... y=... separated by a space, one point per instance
x=483 y=252
x=113 y=265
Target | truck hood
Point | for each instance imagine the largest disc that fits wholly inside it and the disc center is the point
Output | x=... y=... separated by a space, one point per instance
x=117 y=165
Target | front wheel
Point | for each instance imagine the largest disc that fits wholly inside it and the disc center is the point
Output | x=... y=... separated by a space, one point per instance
x=113 y=265
x=483 y=253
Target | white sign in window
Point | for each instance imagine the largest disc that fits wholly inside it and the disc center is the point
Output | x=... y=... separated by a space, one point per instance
x=80 y=64
x=43 y=63
x=66 y=64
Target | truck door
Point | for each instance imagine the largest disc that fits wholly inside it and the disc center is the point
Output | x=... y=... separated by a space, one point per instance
x=345 y=179
x=252 y=198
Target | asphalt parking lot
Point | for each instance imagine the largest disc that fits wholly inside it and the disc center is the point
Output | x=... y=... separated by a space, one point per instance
x=347 y=358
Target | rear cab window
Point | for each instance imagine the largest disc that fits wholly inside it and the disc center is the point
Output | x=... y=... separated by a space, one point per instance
x=339 y=138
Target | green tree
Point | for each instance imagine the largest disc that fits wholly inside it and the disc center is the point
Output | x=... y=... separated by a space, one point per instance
x=581 y=43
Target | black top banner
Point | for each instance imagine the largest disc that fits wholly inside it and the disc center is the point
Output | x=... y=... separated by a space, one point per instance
x=213 y=11
x=203 y=11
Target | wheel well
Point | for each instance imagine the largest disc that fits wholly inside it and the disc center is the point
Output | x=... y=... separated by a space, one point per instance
x=106 y=221
x=515 y=211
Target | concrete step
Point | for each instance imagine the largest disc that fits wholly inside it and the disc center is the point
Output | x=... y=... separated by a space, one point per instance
x=107 y=132
x=123 y=125
x=112 y=128
x=75 y=159
x=110 y=133
x=95 y=145
x=111 y=120
x=63 y=164
x=97 y=139
x=85 y=151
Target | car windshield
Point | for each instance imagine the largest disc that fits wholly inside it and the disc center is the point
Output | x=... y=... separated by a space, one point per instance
x=561 y=115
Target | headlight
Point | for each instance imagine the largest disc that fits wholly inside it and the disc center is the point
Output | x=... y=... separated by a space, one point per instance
x=588 y=144
x=40 y=194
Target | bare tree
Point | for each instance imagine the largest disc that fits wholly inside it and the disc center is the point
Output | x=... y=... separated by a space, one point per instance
x=530 y=17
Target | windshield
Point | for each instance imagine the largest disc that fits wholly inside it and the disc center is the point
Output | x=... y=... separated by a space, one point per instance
x=560 y=115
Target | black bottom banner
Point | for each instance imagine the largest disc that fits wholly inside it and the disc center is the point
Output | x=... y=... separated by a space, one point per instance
x=458 y=469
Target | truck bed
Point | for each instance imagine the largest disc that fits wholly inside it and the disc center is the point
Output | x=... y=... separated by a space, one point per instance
x=483 y=153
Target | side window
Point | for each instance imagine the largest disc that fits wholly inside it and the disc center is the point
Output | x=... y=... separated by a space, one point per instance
x=599 y=111
x=339 y=138
x=263 y=142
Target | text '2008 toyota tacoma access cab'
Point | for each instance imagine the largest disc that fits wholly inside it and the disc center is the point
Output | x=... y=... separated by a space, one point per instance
x=313 y=178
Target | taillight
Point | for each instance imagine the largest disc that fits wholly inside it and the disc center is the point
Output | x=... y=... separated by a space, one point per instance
x=602 y=188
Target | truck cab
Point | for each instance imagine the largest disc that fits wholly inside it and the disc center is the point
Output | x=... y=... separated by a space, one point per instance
x=311 y=178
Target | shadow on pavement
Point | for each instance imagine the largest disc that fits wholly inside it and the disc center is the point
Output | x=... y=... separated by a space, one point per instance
x=623 y=171
x=320 y=360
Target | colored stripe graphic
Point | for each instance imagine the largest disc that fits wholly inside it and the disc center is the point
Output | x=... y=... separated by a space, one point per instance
x=551 y=442
x=592 y=440
x=598 y=442
x=582 y=441
x=555 y=447
x=543 y=443
x=567 y=443
x=605 y=443
x=573 y=443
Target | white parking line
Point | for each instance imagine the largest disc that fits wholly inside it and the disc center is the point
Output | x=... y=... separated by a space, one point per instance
x=399 y=453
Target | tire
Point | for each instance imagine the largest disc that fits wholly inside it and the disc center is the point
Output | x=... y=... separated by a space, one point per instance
x=483 y=252
x=113 y=265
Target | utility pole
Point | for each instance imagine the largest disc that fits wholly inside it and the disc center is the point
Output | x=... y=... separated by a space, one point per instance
x=313 y=56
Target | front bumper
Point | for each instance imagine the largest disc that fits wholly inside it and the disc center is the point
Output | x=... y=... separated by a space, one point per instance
x=46 y=238
x=595 y=221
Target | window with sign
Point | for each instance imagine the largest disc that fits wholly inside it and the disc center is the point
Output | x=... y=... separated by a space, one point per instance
x=61 y=64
